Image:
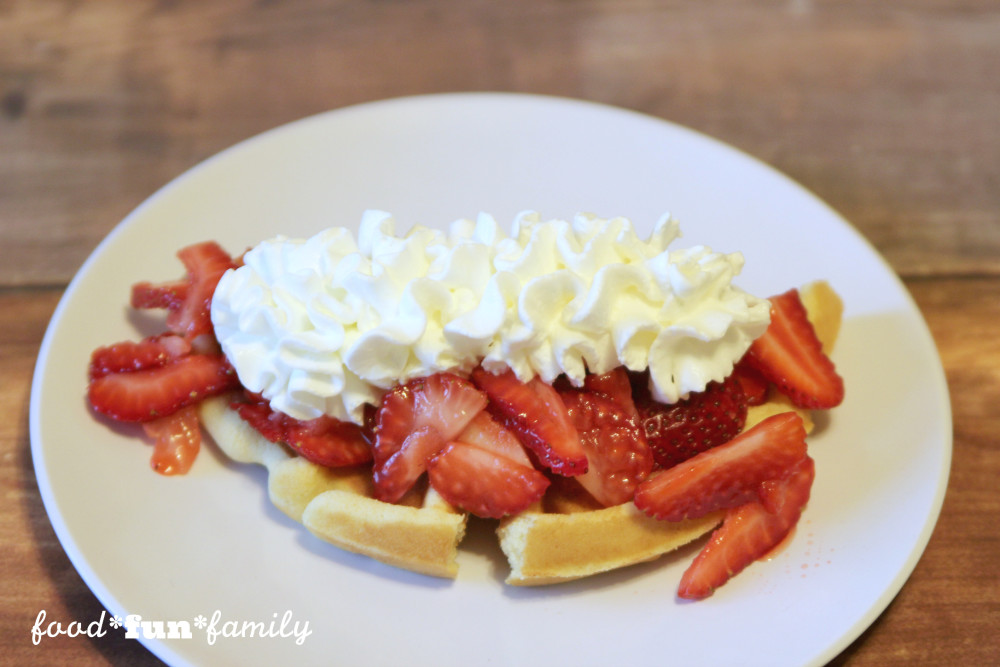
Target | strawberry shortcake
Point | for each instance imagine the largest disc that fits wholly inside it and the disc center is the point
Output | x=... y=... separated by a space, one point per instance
x=605 y=398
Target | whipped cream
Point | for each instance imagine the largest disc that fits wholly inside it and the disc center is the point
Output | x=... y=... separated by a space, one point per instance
x=325 y=325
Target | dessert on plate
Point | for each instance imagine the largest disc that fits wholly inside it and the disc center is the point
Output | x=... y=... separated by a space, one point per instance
x=603 y=398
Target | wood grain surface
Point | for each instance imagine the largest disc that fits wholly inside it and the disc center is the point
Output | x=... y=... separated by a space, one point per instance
x=888 y=111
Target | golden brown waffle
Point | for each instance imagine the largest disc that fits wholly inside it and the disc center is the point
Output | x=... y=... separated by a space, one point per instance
x=562 y=539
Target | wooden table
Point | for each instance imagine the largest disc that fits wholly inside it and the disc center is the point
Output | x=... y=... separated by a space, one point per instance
x=888 y=111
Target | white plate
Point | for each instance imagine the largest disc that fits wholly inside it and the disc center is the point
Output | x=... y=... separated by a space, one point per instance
x=176 y=548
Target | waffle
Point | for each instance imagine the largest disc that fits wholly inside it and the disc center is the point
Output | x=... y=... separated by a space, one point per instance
x=563 y=538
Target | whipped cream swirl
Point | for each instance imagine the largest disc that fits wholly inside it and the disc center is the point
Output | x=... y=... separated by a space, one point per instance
x=325 y=325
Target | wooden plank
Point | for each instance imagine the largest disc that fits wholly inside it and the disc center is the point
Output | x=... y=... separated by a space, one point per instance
x=888 y=112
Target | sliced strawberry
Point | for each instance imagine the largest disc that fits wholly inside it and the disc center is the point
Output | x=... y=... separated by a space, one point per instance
x=256 y=411
x=325 y=441
x=147 y=394
x=755 y=386
x=400 y=472
x=788 y=495
x=128 y=356
x=537 y=416
x=486 y=432
x=177 y=439
x=188 y=300
x=205 y=263
x=170 y=295
x=727 y=475
x=791 y=356
x=484 y=483
x=617 y=454
x=749 y=532
x=440 y=407
x=705 y=419
x=616 y=385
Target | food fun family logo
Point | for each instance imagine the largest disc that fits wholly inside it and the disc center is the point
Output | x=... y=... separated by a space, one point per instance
x=212 y=627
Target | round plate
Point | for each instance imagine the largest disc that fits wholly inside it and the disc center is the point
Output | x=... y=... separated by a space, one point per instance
x=209 y=543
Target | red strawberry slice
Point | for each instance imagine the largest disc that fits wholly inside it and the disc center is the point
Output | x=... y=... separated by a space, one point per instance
x=205 y=263
x=617 y=454
x=176 y=441
x=151 y=393
x=616 y=385
x=170 y=295
x=483 y=482
x=749 y=532
x=537 y=416
x=755 y=386
x=256 y=411
x=484 y=431
x=189 y=300
x=325 y=440
x=129 y=356
x=400 y=472
x=705 y=419
x=791 y=356
x=439 y=407
x=727 y=475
